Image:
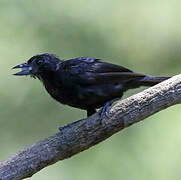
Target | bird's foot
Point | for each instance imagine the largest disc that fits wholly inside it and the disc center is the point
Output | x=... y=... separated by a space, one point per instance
x=62 y=128
x=104 y=110
x=70 y=125
x=65 y=126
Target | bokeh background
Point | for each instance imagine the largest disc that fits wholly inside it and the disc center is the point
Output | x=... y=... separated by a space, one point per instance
x=142 y=35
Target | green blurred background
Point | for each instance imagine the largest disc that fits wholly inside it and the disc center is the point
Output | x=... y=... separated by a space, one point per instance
x=142 y=35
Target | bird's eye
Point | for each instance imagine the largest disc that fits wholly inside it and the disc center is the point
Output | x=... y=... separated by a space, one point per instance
x=39 y=62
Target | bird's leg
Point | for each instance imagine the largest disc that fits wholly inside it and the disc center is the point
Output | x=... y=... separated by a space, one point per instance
x=104 y=109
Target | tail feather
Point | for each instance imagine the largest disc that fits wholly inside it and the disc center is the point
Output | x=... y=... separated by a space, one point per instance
x=152 y=80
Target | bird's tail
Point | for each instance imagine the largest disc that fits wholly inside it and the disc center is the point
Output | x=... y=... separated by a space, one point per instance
x=151 y=80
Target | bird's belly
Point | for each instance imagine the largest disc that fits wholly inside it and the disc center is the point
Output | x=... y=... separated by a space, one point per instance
x=65 y=96
x=86 y=97
x=61 y=96
x=95 y=96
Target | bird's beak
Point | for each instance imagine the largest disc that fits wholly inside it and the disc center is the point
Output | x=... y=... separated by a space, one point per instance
x=25 y=69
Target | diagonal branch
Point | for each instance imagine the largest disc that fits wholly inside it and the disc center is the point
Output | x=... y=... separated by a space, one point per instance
x=82 y=134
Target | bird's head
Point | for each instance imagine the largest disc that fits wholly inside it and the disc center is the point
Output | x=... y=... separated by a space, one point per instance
x=38 y=65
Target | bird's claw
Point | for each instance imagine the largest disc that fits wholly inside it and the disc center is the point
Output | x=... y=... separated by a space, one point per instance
x=65 y=126
x=104 y=110
x=70 y=125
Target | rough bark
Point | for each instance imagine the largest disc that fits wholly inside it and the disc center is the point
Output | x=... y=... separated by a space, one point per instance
x=85 y=133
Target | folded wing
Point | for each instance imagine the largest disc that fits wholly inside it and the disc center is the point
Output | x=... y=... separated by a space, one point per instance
x=94 y=71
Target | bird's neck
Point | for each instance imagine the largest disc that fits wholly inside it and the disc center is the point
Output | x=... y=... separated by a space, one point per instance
x=50 y=79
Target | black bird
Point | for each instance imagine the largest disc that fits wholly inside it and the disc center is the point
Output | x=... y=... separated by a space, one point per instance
x=84 y=82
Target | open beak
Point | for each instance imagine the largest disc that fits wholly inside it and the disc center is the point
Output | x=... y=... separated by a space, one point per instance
x=25 y=69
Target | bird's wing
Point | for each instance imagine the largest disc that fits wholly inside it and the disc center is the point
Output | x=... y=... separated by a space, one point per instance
x=93 y=71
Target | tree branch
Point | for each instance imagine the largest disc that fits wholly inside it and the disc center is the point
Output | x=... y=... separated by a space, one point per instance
x=82 y=134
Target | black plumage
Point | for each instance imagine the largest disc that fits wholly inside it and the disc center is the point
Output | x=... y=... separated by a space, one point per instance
x=85 y=83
